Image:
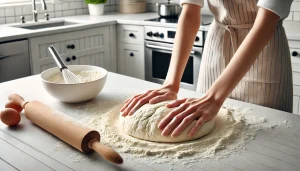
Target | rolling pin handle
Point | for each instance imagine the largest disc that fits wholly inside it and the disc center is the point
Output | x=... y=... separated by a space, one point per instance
x=18 y=99
x=105 y=151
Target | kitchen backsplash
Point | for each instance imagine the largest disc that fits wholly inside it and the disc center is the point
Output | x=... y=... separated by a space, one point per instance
x=12 y=14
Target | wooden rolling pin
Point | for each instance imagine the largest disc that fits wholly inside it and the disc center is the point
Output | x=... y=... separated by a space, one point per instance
x=64 y=127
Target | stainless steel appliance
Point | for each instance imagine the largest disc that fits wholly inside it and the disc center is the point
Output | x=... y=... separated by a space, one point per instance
x=168 y=9
x=158 y=51
x=14 y=60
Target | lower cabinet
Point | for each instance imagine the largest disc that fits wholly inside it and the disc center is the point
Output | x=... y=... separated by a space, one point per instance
x=131 y=60
x=95 y=46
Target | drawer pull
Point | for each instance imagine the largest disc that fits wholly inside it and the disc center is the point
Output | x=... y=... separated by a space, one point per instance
x=71 y=46
x=3 y=57
x=74 y=57
x=131 y=54
x=131 y=35
x=294 y=53
x=68 y=59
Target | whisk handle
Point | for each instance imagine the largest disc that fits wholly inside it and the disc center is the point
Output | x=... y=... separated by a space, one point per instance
x=59 y=62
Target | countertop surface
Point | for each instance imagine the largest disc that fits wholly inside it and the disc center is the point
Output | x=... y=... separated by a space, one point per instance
x=8 y=33
x=27 y=147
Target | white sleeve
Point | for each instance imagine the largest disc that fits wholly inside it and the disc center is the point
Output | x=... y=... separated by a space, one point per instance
x=196 y=2
x=279 y=7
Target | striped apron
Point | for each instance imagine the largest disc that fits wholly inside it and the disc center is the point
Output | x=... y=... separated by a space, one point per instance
x=269 y=80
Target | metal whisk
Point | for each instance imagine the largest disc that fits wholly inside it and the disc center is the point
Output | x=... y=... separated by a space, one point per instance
x=69 y=76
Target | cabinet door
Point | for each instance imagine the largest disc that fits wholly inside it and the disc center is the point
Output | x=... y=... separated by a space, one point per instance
x=131 y=34
x=296 y=104
x=78 y=43
x=131 y=60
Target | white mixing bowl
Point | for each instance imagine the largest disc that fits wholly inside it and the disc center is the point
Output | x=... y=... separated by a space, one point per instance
x=74 y=93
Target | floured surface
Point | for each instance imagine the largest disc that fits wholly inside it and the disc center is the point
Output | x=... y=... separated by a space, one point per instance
x=233 y=130
x=143 y=124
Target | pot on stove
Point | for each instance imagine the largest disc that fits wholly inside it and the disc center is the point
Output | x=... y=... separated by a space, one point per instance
x=168 y=9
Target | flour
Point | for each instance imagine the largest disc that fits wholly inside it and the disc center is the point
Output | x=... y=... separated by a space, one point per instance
x=233 y=130
x=85 y=76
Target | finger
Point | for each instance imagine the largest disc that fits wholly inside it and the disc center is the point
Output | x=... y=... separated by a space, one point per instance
x=177 y=120
x=160 y=98
x=171 y=126
x=196 y=127
x=128 y=101
x=167 y=119
x=145 y=97
x=184 y=123
x=132 y=103
x=176 y=103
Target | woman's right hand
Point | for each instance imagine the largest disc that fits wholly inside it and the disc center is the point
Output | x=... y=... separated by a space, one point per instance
x=151 y=96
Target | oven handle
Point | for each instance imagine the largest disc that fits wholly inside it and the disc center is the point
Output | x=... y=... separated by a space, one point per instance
x=163 y=48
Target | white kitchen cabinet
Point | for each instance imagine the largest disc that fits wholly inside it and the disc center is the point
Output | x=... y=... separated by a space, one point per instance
x=296 y=104
x=131 y=51
x=131 y=60
x=295 y=58
x=85 y=47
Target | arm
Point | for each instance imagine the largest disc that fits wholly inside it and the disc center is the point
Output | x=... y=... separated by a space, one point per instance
x=188 y=26
x=207 y=107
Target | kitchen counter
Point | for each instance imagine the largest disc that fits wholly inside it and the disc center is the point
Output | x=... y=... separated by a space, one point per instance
x=8 y=33
x=27 y=147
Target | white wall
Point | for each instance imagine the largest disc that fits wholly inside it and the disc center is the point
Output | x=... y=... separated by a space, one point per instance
x=295 y=11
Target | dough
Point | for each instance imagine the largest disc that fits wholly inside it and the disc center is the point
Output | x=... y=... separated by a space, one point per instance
x=143 y=124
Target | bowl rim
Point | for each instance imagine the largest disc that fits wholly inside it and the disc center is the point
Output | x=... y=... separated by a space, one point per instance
x=66 y=84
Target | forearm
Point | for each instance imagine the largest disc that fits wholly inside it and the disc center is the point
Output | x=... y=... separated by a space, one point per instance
x=261 y=33
x=188 y=26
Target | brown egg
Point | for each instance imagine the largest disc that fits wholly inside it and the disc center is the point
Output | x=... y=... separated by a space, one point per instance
x=10 y=117
x=14 y=105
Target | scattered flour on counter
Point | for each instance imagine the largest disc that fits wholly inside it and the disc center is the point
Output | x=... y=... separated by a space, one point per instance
x=86 y=76
x=233 y=130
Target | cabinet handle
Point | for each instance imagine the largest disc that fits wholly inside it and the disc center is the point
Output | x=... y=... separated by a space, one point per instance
x=131 y=54
x=3 y=57
x=131 y=35
x=74 y=57
x=68 y=59
x=294 y=53
x=71 y=46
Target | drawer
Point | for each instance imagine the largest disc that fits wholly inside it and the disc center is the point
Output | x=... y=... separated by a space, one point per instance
x=131 y=34
x=296 y=78
x=296 y=90
x=296 y=67
x=295 y=55
x=294 y=44
x=296 y=104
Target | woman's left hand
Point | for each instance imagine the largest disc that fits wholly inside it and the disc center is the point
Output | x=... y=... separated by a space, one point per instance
x=188 y=110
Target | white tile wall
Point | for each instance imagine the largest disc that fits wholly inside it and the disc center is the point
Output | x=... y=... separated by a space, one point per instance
x=78 y=7
x=295 y=11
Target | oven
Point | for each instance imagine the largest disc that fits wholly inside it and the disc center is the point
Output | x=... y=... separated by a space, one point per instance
x=157 y=60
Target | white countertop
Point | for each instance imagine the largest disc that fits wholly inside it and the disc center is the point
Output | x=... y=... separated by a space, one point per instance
x=86 y=21
x=8 y=33
x=27 y=147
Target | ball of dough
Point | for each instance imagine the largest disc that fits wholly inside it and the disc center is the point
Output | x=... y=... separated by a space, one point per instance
x=143 y=124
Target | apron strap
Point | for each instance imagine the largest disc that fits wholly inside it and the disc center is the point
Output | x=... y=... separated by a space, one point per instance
x=232 y=33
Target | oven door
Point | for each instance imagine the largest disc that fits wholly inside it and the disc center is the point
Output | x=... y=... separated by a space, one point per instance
x=157 y=60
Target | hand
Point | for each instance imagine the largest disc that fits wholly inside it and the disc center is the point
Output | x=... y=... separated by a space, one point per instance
x=151 y=96
x=188 y=110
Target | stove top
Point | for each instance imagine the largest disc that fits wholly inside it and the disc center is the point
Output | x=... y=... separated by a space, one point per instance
x=205 y=19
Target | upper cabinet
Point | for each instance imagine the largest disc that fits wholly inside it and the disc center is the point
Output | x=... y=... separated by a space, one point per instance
x=131 y=58
x=86 y=47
